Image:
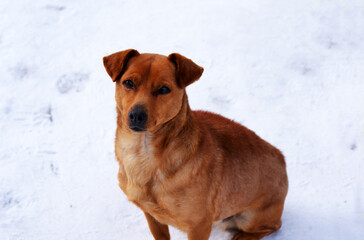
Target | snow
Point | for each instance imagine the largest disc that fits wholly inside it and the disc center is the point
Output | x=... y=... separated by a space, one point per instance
x=292 y=71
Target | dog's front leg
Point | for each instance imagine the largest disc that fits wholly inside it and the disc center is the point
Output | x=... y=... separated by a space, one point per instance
x=159 y=230
x=200 y=232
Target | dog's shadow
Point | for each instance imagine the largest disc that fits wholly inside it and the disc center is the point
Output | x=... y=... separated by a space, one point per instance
x=299 y=224
x=303 y=225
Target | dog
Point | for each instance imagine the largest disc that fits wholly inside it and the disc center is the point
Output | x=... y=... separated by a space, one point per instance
x=189 y=169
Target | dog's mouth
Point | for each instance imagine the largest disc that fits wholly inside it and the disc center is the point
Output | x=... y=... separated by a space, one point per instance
x=137 y=129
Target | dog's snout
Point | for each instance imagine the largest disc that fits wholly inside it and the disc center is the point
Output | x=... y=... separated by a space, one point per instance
x=138 y=118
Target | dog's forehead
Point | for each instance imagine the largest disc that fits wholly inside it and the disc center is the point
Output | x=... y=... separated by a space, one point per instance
x=152 y=66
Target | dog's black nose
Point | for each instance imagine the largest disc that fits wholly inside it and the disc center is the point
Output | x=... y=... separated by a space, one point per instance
x=138 y=118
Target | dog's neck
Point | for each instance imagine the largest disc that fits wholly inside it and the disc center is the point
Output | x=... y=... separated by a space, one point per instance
x=178 y=138
x=179 y=125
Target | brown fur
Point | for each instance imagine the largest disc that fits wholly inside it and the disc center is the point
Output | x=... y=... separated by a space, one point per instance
x=190 y=169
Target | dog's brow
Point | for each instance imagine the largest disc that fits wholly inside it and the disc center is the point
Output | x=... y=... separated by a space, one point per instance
x=161 y=83
x=150 y=66
x=131 y=76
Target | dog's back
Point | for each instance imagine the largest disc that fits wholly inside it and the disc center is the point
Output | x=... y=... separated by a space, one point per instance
x=254 y=170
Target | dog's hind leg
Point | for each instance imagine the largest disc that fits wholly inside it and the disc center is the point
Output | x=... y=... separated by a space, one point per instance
x=254 y=225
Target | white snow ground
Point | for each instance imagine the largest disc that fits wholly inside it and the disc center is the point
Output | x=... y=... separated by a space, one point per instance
x=293 y=71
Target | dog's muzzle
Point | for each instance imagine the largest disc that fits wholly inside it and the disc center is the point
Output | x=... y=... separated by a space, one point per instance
x=138 y=118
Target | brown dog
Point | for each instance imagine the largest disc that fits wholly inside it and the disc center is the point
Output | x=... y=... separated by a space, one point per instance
x=189 y=169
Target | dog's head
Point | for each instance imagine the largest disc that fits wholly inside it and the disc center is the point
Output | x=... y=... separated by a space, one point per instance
x=149 y=87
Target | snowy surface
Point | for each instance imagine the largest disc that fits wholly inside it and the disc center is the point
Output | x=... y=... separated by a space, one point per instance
x=292 y=71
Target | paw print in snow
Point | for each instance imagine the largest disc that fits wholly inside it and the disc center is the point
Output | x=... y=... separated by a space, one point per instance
x=67 y=82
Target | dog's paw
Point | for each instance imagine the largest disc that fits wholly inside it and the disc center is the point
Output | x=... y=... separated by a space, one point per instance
x=243 y=236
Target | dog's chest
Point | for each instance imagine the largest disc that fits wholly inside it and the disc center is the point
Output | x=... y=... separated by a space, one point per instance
x=142 y=180
x=145 y=184
x=139 y=165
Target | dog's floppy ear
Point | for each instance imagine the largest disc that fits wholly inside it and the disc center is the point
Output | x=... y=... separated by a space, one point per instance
x=186 y=70
x=115 y=64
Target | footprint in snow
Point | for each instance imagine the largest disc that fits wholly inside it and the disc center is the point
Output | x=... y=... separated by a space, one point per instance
x=57 y=8
x=20 y=71
x=7 y=200
x=67 y=82
x=44 y=116
x=353 y=147
x=221 y=101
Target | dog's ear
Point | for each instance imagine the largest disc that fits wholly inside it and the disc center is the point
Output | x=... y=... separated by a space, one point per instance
x=115 y=64
x=186 y=70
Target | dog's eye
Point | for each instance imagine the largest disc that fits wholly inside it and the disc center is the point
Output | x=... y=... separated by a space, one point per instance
x=163 y=90
x=129 y=84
